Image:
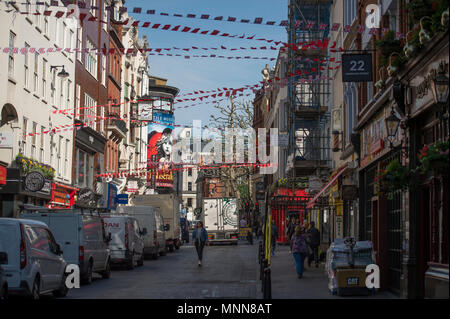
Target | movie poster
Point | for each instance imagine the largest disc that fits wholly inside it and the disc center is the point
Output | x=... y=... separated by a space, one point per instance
x=159 y=151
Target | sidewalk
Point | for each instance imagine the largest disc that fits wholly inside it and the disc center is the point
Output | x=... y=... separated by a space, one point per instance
x=313 y=285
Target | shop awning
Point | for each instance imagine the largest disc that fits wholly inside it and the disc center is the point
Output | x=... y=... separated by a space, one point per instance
x=312 y=201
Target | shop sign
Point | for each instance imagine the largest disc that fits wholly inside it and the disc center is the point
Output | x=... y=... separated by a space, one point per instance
x=34 y=181
x=6 y=140
x=283 y=139
x=132 y=186
x=86 y=195
x=3 y=172
x=111 y=198
x=315 y=183
x=376 y=147
x=47 y=188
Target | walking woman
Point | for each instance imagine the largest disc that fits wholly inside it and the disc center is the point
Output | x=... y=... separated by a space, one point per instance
x=299 y=249
x=200 y=237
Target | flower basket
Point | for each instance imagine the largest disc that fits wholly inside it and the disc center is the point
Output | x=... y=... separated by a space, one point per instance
x=28 y=165
x=394 y=177
x=435 y=158
x=418 y=9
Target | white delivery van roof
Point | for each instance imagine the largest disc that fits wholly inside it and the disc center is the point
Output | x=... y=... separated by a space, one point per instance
x=16 y=221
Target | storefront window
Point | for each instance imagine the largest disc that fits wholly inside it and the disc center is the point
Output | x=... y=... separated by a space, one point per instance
x=85 y=169
x=162 y=103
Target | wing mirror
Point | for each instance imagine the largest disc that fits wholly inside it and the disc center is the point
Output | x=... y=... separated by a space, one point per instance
x=108 y=238
x=167 y=227
x=3 y=258
x=144 y=231
x=58 y=250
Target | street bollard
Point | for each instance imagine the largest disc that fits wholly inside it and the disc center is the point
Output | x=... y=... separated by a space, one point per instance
x=264 y=265
x=267 y=293
x=260 y=251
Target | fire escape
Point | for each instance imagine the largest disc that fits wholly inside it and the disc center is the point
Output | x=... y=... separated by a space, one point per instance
x=309 y=91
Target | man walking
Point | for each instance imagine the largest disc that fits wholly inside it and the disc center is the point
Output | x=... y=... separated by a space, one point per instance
x=314 y=243
x=274 y=233
x=200 y=237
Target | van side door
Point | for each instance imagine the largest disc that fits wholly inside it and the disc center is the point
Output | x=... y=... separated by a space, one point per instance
x=40 y=249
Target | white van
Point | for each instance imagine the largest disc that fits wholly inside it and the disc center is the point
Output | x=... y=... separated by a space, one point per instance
x=34 y=264
x=127 y=243
x=150 y=218
x=81 y=235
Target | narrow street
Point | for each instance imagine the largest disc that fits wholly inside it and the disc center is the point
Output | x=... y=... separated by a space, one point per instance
x=227 y=272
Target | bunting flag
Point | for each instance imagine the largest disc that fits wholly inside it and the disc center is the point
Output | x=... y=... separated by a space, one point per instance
x=309 y=25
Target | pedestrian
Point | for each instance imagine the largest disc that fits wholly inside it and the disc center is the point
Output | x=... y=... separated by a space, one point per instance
x=299 y=249
x=187 y=231
x=314 y=243
x=274 y=236
x=291 y=229
x=243 y=222
x=200 y=237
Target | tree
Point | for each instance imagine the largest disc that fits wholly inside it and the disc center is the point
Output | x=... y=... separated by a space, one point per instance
x=235 y=115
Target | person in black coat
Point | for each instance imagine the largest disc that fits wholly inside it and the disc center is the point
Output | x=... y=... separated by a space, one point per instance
x=314 y=243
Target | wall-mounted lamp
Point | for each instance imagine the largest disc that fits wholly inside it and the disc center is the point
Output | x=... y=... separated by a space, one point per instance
x=62 y=74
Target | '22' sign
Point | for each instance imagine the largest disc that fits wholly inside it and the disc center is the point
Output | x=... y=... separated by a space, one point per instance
x=357 y=67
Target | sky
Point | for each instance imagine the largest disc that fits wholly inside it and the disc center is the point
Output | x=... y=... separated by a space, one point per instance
x=210 y=73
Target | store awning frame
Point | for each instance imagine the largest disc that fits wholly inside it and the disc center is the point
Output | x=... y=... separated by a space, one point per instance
x=331 y=182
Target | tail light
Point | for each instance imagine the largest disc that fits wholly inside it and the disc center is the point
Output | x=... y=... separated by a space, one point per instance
x=81 y=253
x=126 y=236
x=23 y=251
x=154 y=237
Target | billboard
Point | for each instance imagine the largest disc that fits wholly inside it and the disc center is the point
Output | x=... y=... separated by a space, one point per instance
x=159 y=151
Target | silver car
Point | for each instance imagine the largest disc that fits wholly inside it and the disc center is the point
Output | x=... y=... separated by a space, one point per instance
x=34 y=263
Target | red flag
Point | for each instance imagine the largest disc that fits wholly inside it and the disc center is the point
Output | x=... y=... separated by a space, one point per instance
x=215 y=32
x=185 y=29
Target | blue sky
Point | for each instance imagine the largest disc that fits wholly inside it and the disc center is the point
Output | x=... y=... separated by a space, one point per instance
x=210 y=73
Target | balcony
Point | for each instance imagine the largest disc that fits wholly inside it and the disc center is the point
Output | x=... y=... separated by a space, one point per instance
x=117 y=127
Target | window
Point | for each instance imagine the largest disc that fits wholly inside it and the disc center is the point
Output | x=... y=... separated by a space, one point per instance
x=70 y=40
x=61 y=92
x=12 y=41
x=91 y=58
x=189 y=186
x=189 y=202
x=62 y=36
x=66 y=156
x=46 y=20
x=190 y=172
x=24 y=135
x=351 y=104
x=26 y=67
x=104 y=69
x=44 y=79
x=84 y=169
x=68 y=90
x=79 y=43
x=89 y=111
x=93 y=10
x=42 y=146
x=35 y=72
x=33 y=140
x=59 y=150
x=37 y=17
x=349 y=11
x=105 y=17
x=53 y=87
x=188 y=133
x=78 y=101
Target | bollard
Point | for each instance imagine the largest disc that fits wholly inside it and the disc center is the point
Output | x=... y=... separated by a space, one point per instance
x=267 y=293
x=264 y=265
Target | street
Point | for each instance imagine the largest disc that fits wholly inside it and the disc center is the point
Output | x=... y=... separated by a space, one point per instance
x=227 y=272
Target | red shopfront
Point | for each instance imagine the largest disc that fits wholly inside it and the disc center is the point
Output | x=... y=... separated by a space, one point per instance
x=63 y=196
x=285 y=204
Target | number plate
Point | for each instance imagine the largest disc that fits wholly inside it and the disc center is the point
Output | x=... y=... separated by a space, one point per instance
x=352 y=281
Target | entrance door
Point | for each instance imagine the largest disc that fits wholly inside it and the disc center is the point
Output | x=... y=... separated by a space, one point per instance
x=394 y=241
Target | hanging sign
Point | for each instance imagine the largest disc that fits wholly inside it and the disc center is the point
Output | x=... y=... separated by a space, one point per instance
x=357 y=67
x=34 y=181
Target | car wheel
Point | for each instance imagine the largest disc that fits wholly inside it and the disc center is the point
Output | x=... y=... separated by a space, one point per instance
x=36 y=290
x=131 y=263
x=88 y=277
x=141 y=260
x=63 y=290
x=106 y=274
x=4 y=292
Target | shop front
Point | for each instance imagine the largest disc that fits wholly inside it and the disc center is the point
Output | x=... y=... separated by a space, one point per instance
x=63 y=196
x=427 y=259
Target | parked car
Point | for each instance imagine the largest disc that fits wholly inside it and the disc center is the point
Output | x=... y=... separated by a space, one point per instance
x=151 y=219
x=81 y=234
x=127 y=243
x=3 y=282
x=34 y=263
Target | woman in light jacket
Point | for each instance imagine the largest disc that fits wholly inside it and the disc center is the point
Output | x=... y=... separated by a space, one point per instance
x=200 y=237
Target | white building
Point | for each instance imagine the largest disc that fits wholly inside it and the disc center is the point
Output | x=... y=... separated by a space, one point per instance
x=32 y=89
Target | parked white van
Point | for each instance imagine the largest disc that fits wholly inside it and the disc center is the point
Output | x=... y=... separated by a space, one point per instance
x=127 y=243
x=34 y=263
x=151 y=219
x=81 y=235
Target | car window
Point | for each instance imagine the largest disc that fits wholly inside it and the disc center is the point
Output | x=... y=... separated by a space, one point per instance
x=52 y=242
x=136 y=227
x=39 y=238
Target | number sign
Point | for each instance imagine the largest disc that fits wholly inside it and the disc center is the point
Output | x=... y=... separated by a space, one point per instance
x=357 y=67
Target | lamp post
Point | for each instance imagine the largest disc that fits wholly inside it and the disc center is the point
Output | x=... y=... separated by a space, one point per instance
x=440 y=88
x=62 y=74
x=392 y=124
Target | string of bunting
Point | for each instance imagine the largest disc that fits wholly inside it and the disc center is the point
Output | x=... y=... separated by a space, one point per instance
x=297 y=24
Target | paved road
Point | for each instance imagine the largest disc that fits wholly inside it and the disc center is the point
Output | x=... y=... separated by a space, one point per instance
x=227 y=272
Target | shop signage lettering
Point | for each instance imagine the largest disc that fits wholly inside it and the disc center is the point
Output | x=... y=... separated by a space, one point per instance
x=425 y=85
x=86 y=195
x=376 y=147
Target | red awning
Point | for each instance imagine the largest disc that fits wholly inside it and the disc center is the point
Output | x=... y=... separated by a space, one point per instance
x=312 y=201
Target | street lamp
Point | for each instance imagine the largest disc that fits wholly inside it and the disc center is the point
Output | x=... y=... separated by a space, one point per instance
x=392 y=124
x=440 y=88
x=62 y=74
